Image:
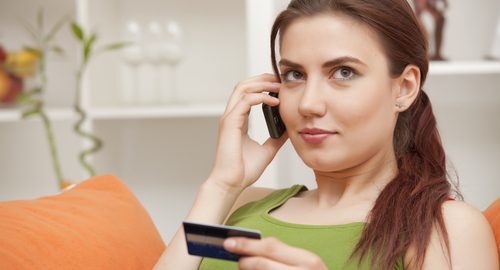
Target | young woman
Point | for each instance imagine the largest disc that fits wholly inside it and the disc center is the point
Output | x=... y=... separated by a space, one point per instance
x=349 y=79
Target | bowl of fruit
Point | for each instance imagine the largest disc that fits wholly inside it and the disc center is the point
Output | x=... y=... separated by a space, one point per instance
x=15 y=67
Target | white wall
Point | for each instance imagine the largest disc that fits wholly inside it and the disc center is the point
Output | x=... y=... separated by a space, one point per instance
x=158 y=158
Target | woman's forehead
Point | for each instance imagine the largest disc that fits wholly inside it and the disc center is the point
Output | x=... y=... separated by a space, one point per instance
x=330 y=36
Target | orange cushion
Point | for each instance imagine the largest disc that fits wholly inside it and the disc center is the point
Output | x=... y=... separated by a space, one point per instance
x=492 y=213
x=98 y=224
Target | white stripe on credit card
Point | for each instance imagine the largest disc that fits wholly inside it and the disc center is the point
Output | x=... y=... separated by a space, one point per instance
x=203 y=239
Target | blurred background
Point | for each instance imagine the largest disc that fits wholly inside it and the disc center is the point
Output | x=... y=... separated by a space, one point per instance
x=156 y=80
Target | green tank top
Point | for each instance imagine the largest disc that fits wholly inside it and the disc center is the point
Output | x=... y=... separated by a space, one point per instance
x=333 y=243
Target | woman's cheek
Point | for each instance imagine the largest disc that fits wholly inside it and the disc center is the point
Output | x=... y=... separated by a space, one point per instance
x=286 y=109
x=365 y=122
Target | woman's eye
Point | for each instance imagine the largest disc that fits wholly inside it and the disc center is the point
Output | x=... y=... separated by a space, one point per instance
x=344 y=73
x=292 y=75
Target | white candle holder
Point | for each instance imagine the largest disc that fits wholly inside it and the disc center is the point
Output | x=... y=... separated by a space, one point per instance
x=170 y=56
x=133 y=57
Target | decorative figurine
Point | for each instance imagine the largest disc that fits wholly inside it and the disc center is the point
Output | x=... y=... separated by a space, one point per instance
x=494 y=53
x=434 y=8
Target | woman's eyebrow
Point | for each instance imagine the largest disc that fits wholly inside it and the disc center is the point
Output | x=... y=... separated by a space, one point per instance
x=330 y=63
x=288 y=63
x=342 y=60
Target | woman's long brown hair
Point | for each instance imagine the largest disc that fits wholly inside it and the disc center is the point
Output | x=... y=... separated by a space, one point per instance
x=409 y=207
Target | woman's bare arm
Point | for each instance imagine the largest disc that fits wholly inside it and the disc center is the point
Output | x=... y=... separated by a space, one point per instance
x=239 y=162
x=211 y=205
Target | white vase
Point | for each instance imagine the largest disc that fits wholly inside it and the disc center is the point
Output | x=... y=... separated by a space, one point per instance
x=170 y=55
x=133 y=57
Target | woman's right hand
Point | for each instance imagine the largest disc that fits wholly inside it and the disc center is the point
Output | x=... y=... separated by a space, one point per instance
x=240 y=160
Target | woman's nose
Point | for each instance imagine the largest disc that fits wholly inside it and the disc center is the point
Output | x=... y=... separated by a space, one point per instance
x=312 y=101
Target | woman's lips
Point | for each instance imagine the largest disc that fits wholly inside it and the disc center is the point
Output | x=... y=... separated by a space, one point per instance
x=316 y=137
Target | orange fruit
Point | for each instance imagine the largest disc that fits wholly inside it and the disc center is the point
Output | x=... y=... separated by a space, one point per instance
x=5 y=84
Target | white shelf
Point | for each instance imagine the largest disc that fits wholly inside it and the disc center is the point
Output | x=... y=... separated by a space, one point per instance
x=464 y=67
x=123 y=113
x=15 y=114
x=156 y=112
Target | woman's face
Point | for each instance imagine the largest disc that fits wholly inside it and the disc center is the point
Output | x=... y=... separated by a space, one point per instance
x=335 y=77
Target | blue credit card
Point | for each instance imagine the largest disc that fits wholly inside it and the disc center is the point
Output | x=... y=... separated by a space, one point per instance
x=207 y=240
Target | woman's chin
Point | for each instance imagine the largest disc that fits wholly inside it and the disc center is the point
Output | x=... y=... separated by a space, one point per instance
x=322 y=158
x=322 y=164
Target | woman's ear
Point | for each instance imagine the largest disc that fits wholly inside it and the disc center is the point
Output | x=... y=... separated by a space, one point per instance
x=406 y=88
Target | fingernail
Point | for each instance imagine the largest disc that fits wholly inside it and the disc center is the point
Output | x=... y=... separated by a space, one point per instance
x=230 y=243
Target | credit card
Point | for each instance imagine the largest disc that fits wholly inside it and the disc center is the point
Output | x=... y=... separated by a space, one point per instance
x=207 y=240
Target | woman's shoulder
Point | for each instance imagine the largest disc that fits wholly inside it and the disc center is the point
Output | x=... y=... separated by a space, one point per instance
x=471 y=240
x=460 y=212
x=466 y=223
x=248 y=195
x=252 y=194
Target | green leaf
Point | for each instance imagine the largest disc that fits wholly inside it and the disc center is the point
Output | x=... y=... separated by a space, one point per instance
x=31 y=30
x=77 y=31
x=56 y=28
x=116 y=46
x=34 y=91
x=23 y=98
x=32 y=49
x=58 y=50
x=30 y=113
x=39 y=19
x=86 y=54
x=88 y=44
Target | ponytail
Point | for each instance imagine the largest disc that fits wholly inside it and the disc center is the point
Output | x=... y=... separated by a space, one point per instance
x=408 y=207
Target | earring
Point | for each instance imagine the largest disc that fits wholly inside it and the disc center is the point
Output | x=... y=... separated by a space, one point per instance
x=399 y=105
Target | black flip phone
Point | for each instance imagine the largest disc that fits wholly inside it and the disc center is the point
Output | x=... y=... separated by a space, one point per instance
x=275 y=125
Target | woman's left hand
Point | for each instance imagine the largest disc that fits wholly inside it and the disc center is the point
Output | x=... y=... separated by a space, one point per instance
x=270 y=253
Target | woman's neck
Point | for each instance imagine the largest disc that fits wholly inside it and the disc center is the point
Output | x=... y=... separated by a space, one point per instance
x=363 y=182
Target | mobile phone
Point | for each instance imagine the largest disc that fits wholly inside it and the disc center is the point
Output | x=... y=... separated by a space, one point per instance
x=275 y=125
x=207 y=240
